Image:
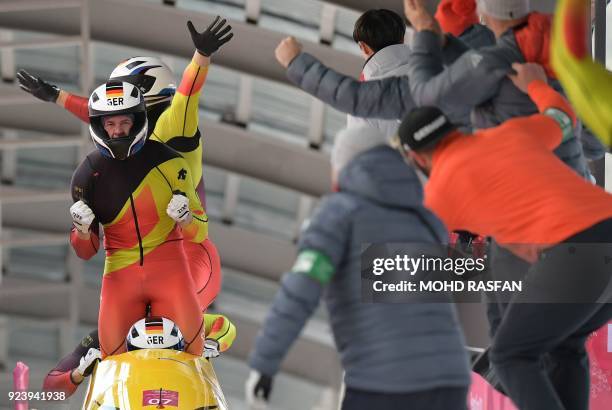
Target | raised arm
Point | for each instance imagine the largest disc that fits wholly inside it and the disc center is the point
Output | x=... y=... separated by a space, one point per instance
x=388 y=98
x=460 y=18
x=181 y=119
x=468 y=82
x=48 y=92
x=75 y=104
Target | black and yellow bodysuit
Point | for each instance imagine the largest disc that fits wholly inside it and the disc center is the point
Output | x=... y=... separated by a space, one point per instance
x=177 y=127
x=145 y=261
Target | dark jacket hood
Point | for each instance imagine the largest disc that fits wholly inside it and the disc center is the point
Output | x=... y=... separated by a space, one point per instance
x=381 y=175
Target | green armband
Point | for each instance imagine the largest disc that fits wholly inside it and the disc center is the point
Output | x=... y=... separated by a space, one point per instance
x=564 y=121
x=314 y=264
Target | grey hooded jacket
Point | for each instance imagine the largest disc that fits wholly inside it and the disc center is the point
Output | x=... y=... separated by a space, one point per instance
x=390 y=348
x=387 y=98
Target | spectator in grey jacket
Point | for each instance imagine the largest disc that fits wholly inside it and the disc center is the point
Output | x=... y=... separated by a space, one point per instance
x=395 y=356
x=380 y=37
x=475 y=79
x=392 y=97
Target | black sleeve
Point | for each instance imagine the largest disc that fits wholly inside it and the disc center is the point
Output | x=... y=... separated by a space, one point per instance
x=71 y=360
x=81 y=185
x=82 y=189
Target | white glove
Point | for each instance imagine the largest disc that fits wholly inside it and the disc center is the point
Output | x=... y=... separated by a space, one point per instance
x=257 y=390
x=211 y=349
x=87 y=362
x=82 y=216
x=178 y=208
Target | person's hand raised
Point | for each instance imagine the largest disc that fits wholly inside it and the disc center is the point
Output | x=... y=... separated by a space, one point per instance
x=419 y=17
x=288 y=49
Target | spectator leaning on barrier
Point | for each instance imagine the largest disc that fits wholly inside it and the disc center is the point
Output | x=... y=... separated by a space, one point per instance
x=395 y=356
x=550 y=217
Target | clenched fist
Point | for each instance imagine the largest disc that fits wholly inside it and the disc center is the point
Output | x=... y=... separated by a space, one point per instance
x=82 y=216
x=178 y=209
x=288 y=49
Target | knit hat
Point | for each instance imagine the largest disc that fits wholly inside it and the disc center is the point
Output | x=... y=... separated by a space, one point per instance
x=456 y=16
x=504 y=9
x=350 y=142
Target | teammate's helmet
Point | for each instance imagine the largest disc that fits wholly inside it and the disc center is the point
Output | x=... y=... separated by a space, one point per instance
x=155 y=333
x=117 y=98
x=152 y=77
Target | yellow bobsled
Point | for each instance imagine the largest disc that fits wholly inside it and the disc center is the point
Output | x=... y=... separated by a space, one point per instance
x=154 y=379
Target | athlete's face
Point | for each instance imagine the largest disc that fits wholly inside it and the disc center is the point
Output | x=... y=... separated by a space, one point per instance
x=117 y=126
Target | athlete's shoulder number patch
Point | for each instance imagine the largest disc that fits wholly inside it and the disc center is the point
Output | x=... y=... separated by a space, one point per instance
x=78 y=192
x=314 y=264
x=87 y=341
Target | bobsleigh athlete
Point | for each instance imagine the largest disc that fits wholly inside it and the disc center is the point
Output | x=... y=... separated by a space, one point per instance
x=173 y=119
x=143 y=195
x=73 y=368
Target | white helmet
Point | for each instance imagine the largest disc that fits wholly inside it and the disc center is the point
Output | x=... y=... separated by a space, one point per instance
x=117 y=98
x=152 y=77
x=155 y=333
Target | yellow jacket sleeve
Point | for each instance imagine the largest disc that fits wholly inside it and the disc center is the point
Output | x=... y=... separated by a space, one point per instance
x=219 y=328
x=181 y=118
x=587 y=83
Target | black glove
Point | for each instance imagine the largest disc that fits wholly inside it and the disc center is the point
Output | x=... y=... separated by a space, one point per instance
x=258 y=387
x=212 y=38
x=263 y=387
x=37 y=86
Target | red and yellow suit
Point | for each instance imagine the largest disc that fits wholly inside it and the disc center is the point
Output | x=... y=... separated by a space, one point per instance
x=145 y=260
x=177 y=127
